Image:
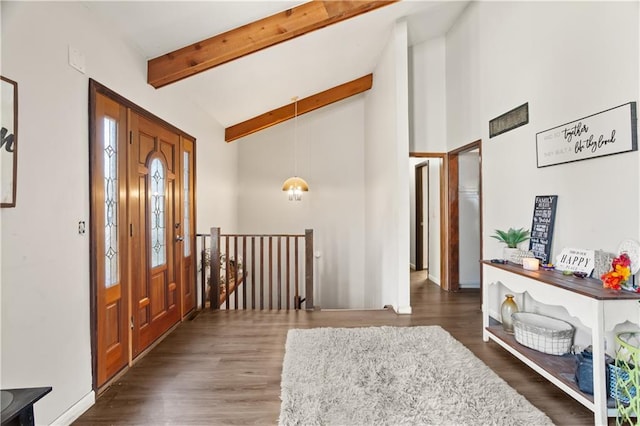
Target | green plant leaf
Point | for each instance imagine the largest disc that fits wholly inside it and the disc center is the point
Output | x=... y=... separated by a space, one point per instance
x=512 y=237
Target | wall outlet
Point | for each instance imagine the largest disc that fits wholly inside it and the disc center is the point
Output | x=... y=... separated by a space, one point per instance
x=76 y=59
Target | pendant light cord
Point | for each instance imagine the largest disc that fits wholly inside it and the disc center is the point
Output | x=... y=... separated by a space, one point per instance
x=295 y=136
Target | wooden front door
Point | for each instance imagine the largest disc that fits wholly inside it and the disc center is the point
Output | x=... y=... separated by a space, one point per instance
x=109 y=238
x=156 y=228
x=188 y=255
x=143 y=278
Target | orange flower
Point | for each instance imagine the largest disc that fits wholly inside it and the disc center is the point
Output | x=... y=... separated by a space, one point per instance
x=619 y=274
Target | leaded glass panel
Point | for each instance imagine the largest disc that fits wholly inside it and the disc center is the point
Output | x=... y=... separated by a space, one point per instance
x=111 y=243
x=157 y=211
x=187 y=205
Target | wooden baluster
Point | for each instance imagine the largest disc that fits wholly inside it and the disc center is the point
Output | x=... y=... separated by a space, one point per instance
x=261 y=273
x=203 y=271
x=288 y=274
x=296 y=272
x=226 y=281
x=308 y=268
x=253 y=273
x=236 y=276
x=279 y=273
x=214 y=269
x=270 y=273
x=244 y=272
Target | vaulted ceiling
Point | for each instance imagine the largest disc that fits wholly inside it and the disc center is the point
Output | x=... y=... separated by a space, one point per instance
x=268 y=79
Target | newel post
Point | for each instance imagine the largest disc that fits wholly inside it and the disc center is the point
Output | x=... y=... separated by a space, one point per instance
x=214 y=269
x=308 y=268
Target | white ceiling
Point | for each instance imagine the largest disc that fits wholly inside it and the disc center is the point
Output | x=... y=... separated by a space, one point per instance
x=268 y=79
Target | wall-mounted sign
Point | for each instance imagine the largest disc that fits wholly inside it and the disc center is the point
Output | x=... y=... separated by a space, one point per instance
x=544 y=216
x=8 y=141
x=519 y=116
x=575 y=260
x=613 y=131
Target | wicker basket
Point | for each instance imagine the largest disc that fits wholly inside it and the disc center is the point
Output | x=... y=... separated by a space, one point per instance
x=545 y=334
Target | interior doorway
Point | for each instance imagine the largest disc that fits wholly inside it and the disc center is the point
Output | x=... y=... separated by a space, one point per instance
x=428 y=169
x=422 y=215
x=464 y=205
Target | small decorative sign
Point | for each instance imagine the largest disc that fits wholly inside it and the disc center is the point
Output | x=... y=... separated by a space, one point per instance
x=613 y=131
x=544 y=217
x=519 y=116
x=575 y=260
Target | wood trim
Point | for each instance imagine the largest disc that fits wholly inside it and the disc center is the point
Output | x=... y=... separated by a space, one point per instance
x=453 y=258
x=441 y=155
x=419 y=217
x=253 y=37
x=468 y=147
x=444 y=223
x=305 y=105
x=93 y=263
x=453 y=262
x=100 y=88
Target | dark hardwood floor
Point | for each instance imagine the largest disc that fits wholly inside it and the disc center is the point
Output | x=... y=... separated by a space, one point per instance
x=224 y=367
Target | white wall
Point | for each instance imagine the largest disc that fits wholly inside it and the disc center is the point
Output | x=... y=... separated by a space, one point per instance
x=45 y=263
x=386 y=178
x=428 y=128
x=435 y=167
x=330 y=150
x=427 y=96
x=567 y=60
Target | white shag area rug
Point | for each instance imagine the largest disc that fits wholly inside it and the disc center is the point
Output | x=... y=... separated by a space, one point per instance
x=393 y=376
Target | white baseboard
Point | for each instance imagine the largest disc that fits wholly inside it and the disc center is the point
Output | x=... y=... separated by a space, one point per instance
x=435 y=280
x=470 y=285
x=76 y=410
x=412 y=266
x=404 y=310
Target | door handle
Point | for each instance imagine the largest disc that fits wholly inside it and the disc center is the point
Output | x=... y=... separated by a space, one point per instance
x=179 y=238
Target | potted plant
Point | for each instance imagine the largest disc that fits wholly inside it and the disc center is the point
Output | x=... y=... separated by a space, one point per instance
x=511 y=238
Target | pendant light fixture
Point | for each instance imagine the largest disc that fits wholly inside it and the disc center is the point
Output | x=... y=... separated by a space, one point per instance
x=295 y=185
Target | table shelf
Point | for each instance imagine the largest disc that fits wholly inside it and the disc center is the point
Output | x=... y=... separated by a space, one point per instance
x=585 y=300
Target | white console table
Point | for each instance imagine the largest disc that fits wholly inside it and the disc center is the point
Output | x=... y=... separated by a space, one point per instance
x=597 y=308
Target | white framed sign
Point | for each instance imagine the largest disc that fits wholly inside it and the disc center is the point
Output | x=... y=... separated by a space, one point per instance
x=575 y=260
x=8 y=141
x=613 y=131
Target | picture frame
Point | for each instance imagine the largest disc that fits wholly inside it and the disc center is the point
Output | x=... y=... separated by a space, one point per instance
x=609 y=132
x=8 y=141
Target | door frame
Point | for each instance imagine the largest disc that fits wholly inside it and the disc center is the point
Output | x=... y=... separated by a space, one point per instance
x=96 y=88
x=444 y=282
x=420 y=216
x=453 y=212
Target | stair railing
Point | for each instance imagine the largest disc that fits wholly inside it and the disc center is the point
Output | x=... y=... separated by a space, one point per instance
x=257 y=271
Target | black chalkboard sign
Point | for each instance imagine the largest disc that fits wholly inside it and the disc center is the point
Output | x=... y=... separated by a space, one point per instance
x=544 y=216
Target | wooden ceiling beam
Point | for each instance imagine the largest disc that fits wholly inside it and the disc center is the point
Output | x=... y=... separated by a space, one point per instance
x=305 y=105
x=252 y=37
